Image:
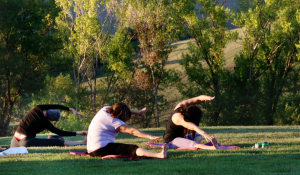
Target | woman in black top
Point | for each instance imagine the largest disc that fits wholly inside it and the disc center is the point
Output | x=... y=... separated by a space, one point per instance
x=182 y=128
x=37 y=120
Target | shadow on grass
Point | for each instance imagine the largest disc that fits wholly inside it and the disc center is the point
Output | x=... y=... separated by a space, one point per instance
x=248 y=130
x=5 y=141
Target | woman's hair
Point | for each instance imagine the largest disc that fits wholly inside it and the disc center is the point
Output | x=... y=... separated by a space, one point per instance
x=121 y=111
x=191 y=114
x=53 y=115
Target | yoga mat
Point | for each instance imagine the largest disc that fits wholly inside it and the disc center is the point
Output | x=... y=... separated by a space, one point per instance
x=83 y=153
x=190 y=148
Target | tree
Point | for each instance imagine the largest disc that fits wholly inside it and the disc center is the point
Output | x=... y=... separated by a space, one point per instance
x=124 y=80
x=267 y=65
x=85 y=26
x=154 y=26
x=26 y=45
x=120 y=68
x=204 y=63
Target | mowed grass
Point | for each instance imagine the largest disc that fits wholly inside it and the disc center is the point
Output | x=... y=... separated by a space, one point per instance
x=282 y=156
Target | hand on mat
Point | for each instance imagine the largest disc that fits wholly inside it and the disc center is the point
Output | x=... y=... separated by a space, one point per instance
x=208 y=137
x=155 y=138
x=75 y=112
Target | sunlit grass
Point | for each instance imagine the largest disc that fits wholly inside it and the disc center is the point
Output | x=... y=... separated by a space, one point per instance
x=282 y=156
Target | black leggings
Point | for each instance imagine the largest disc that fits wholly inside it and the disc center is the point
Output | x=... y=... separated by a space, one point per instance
x=115 y=149
x=32 y=141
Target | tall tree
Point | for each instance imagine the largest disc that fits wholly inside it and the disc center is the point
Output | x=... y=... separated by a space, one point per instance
x=154 y=26
x=204 y=63
x=26 y=45
x=267 y=64
x=85 y=27
x=125 y=81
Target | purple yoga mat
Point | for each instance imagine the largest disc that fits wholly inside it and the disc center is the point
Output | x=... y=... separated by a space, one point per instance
x=190 y=148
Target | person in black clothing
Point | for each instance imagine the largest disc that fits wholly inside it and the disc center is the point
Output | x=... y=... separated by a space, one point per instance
x=37 y=120
x=182 y=128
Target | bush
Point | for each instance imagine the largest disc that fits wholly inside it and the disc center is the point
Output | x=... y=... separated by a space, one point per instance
x=288 y=113
x=71 y=122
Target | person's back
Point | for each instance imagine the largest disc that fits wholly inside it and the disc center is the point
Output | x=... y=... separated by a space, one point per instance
x=172 y=131
x=102 y=130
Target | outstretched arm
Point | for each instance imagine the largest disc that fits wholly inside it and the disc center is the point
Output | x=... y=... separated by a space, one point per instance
x=194 y=100
x=178 y=119
x=75 y=112
x=83 y=133
x=139 y=112
x=133 y=131
x=47 y=107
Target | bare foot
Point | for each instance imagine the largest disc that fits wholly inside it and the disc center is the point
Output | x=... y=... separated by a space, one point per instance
x=215 y=143
x=165 y=148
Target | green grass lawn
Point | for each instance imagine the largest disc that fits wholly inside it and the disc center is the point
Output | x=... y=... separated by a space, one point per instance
x=282 y=156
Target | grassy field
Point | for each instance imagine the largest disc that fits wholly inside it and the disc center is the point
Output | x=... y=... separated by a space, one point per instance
x=281 y=157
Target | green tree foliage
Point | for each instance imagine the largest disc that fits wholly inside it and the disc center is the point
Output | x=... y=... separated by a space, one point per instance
x=267 y=67
x=204 y=63
x=119 y=56
x=26 y=44
x=85 y=26
x=154 y=25
x=288 y=111
x=125 y=81
x=59 y=90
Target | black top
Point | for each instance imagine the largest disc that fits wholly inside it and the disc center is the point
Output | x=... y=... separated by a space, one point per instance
x=172 y=131
x=35 y=122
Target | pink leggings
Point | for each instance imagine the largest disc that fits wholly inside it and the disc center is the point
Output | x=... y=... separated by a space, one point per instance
x=180 y=142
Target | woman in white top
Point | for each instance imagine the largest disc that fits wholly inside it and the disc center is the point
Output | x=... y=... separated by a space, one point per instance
x=106 y=125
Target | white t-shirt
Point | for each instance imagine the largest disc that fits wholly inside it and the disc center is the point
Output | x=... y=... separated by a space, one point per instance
x=102 y=130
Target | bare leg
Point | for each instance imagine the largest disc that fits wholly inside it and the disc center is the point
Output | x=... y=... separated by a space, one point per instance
x=145 y=152
x=74 y=143
x=214 y=142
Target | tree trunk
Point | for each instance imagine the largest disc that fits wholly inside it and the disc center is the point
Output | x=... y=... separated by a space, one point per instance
x=7 y=110
x=155 y=97
x=95 y=83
